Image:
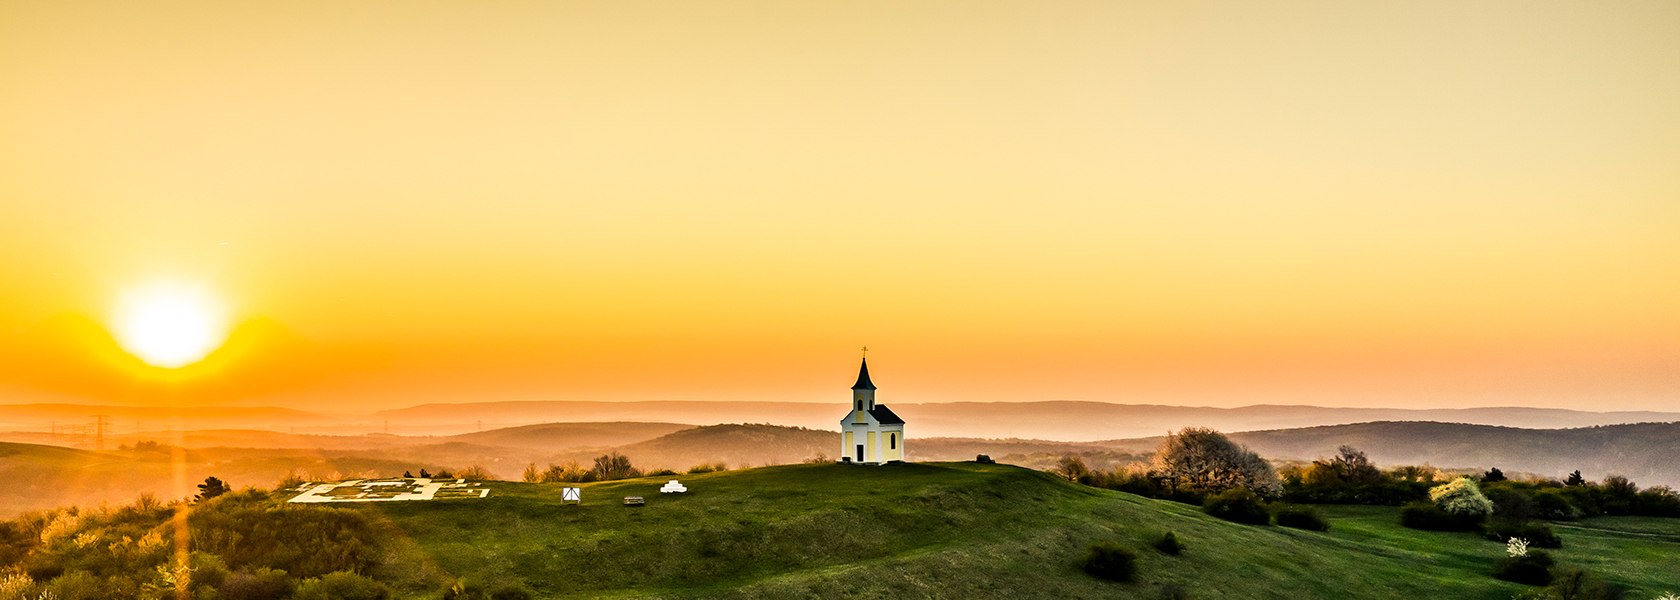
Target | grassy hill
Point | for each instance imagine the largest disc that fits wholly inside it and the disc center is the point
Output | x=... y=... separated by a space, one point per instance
x=953 y=530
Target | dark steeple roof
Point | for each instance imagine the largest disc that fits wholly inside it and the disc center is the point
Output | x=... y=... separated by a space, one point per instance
x=863 y=382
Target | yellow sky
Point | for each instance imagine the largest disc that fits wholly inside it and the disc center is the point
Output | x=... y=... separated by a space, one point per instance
x=1401 y=204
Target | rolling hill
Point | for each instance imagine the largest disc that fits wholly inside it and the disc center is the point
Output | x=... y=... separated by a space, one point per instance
x=952 y=530
x=1643 y=452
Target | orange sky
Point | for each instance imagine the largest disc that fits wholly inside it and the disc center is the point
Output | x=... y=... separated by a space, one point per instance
x=1398 y=204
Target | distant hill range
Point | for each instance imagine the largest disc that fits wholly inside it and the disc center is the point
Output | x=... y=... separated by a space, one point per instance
x=1644 y=452
x=1065 y=421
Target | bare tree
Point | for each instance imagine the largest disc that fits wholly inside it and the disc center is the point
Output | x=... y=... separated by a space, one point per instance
x=613 y=466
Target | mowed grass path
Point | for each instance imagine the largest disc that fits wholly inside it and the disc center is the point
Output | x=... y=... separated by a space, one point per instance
x=956 y=530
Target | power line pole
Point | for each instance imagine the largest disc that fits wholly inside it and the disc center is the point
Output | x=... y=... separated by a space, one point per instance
x=99 y=422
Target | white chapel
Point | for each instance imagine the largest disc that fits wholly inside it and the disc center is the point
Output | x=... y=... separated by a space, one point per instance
x=870 y=433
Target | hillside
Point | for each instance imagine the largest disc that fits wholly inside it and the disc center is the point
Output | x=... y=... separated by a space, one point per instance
x=41 y=477
x=556 y=437
x=1643 y=452
x=952 y=531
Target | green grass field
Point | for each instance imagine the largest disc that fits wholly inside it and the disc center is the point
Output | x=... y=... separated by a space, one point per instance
x=955 y=530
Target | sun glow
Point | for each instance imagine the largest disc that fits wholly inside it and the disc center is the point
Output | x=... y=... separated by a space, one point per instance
x=169 y=325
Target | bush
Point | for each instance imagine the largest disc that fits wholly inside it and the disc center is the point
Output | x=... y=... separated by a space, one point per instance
x=1302 y=517
x=1172 y=591
x=1168 y=544
x=75 y=585
x=1427 y=516
x=1533 y=569
x=464 y=590
x=716 y=467
x=261 y=584
x=1238 y=505
x=1575 y=584
x=1553 y=506
x=1539 y=535
x=342 y=585
x=1111 y=561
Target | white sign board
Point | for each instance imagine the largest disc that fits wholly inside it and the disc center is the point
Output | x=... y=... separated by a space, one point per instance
x=572 y=494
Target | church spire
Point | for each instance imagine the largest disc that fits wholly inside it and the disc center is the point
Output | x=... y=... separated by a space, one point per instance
x=863 y=382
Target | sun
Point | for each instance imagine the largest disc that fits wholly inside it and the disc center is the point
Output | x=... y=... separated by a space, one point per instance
x=169 y=324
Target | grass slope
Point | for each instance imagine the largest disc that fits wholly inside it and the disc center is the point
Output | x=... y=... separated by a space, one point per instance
x=953 y=530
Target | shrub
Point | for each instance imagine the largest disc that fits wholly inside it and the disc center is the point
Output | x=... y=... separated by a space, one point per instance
x=1302 y=517
x=1238 y=505
x=464 y=590
x=1428 y=516
x=1172 y=591
x=261 y=584
x=1168 y=544
x=1551 y=505
x=475 y=473
x=1539 y=535
x=716 y=467
x=1576 y=584
x=1111 y=561
x=1532 y=569
x=75 y=585
x=342 y=585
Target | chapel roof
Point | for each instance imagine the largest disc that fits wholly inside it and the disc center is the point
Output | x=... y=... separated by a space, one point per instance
x=885 y=415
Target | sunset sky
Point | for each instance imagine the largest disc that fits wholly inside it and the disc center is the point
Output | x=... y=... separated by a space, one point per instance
x=1417 y=204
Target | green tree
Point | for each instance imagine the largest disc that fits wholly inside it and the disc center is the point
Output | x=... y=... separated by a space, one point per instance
x=1072 y=468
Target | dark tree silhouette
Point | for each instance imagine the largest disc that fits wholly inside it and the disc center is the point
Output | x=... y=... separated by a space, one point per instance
x=1493 y=475
x=211 y=488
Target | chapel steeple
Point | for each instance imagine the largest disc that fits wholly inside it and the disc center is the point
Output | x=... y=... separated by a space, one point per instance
x=863 y=382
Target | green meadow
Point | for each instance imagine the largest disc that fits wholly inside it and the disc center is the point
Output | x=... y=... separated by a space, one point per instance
x=951 y=530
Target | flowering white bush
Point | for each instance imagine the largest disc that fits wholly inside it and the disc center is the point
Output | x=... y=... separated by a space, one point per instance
x=1461 y=497
x=1668 y=596
x=1516 y=547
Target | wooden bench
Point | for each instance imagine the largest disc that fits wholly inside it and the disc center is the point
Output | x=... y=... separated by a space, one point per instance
x=634 y=501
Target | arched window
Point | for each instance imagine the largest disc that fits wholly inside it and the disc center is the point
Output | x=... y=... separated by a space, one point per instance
x=892 y=441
